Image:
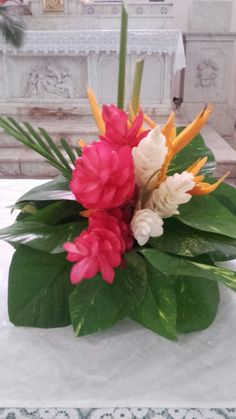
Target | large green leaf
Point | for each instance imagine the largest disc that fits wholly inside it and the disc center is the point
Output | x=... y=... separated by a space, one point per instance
x=183 y=240
x=226 y=194
x=174 y=266
x=41 y=236
x=207 y=213
x=130 y=284
x=56 y=212
x=197 y=303
x=39 y=287
x=194 y=151
x=96 y=305
x=92 y=307
x=157 y=312
x=54 y=190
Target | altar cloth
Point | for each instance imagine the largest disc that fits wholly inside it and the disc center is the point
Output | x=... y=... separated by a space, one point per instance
x=126 y=366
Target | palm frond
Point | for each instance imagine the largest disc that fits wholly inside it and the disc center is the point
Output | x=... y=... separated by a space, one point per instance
x=41 y=142
x=11 y=27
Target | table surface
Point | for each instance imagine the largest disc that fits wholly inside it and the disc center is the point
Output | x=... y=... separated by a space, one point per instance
x=126 y=366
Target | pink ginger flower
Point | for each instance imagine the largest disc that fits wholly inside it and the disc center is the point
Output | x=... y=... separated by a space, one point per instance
x=99 y=248
x=103 y=177
x=114 y=220
x=118 y=133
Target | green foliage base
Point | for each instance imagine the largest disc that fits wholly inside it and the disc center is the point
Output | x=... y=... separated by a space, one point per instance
x=169 y=286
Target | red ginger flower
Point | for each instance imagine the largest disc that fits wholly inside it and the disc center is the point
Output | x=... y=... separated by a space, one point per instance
x=114 y=220
x=103 y=177
x=99 y=248
x=117 y=130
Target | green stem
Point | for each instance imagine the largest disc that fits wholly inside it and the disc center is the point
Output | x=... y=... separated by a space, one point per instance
x=138 y=74
x=122 y=58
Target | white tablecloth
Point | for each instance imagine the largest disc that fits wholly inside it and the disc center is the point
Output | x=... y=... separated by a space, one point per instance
x=125 y=366
x=142 y=41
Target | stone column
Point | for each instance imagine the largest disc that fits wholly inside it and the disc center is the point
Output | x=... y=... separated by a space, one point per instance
x=210 y=51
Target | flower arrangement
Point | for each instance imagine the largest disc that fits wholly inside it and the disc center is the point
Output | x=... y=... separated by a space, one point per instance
x=133 y=227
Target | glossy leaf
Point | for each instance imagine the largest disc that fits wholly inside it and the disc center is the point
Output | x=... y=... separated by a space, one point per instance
x=194 y=151
x=53 y=190
x=96 y=305
x=174 y=266
x=158 y=309
x=92 y=307
x=39 y=288
x=207 y=213
x=226 y=194
x=183 y=240
x=197 y=303
x=41 y=236
x=57 y=212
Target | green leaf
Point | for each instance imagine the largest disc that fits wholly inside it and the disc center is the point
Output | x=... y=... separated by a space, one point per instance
x=174 y=266
x=122 y=58
x=183 y=240
x=158 y=309
x=11 y=27
x=197 y=303
x=138 y=75
x=57 y=212
x=206 y=213
x=39 y=287
x=96 y=305
x=53 y=190
x=130 y=284
x=226 y=194
x=194 y=151
x=92 y=307
x=40 y=236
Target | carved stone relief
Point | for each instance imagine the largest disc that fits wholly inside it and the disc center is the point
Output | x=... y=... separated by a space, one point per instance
x=207 y=73
x=48 y=80
x=53 y=5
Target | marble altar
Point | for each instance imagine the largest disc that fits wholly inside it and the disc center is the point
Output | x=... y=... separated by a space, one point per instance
x=54 y=67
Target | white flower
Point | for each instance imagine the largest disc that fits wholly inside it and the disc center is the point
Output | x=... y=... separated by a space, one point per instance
x=171 y=193
x=149 y=156
x=145 y=224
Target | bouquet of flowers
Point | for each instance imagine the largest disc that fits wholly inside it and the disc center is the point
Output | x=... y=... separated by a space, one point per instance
x=133 y=227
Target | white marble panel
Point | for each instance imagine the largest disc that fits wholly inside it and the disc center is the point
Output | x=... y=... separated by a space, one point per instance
x=2 y=78
x=46 y=78
x=152 y=85
x=107 y=67
x=210 y=16
x=208 y=72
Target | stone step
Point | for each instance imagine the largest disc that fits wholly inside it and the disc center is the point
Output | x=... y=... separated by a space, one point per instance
x=71 y=128
x=24 y=163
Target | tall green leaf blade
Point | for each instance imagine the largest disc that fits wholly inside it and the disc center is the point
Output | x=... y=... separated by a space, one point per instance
x=135 y=96
x=53 y=190
x=122 y=58
x=208 y=214
x=183 y=240
x=176 y=267
x=197 y=303
x=39 y=288
x=158 y=310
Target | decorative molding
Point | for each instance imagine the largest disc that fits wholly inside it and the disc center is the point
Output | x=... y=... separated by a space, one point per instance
x=207 y=73
x=53 y=5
